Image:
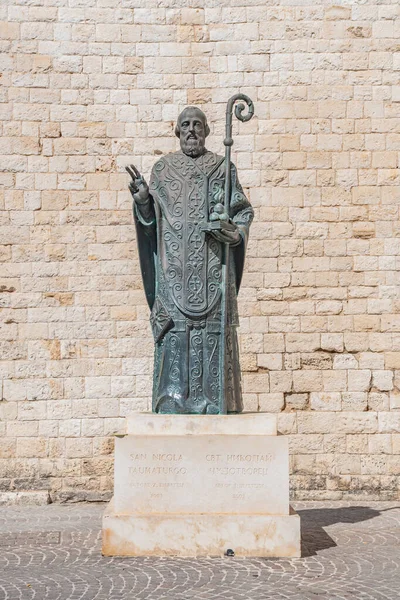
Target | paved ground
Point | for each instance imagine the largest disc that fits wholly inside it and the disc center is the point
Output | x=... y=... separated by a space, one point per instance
x=350 y=552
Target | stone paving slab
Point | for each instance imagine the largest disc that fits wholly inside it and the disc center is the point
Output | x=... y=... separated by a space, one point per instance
x=351 y=551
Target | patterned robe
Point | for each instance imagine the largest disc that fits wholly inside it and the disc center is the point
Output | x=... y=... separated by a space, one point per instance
x=182 y=273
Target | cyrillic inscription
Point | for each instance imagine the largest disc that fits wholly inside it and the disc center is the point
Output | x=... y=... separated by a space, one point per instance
x=183 y=474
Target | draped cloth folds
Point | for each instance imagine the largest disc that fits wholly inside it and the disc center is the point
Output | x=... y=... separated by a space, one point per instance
x=181 y=267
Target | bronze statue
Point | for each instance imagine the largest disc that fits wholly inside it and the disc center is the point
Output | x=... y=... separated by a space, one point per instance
x=192 y=227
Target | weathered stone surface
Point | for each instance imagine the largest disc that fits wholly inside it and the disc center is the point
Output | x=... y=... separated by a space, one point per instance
x=200 y=535
x=186 y=486
x=27 y=498
x=203 y=473
x=85 y=94
x=142 y=424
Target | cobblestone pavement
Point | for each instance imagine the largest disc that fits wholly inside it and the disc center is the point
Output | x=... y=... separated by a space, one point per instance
x=350 y=551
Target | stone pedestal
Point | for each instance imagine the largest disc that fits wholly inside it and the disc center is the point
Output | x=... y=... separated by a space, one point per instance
x=194 y=485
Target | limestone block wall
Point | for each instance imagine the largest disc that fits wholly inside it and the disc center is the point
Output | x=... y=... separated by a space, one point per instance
x=88 y=86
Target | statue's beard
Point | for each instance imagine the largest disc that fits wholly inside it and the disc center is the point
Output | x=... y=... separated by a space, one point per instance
x=192 y=146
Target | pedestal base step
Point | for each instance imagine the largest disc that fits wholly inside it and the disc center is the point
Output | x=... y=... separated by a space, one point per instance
x=200 y=535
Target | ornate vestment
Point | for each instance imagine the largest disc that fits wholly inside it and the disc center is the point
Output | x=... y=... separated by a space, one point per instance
x=182 y=273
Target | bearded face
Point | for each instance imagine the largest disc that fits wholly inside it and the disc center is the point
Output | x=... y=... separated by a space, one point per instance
x=192 y=132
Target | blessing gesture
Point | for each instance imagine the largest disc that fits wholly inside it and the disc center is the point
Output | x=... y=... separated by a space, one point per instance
x=138 y=186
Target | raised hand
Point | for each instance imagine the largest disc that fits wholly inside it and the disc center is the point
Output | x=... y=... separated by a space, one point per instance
x=138 y=186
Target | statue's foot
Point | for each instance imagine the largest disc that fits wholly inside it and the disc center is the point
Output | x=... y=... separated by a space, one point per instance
x=170 y=406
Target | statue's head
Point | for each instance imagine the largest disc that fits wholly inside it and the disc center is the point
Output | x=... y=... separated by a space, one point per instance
x=192 y=130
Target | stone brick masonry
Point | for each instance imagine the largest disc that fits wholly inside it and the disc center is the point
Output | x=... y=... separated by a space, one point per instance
x=88 y=86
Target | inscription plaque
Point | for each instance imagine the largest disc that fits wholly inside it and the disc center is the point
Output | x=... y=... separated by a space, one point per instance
x=212 y=474
x=193 y=485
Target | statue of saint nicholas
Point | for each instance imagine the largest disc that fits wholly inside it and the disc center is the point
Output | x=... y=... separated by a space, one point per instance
x=181 y=257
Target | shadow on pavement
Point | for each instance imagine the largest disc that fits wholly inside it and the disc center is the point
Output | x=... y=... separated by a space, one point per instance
x=313 y=520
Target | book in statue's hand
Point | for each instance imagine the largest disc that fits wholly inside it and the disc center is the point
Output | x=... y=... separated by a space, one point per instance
x=218 y=226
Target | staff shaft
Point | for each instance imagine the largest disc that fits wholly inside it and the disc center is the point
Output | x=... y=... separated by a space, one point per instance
x=228 y=143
